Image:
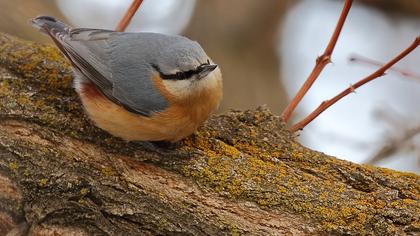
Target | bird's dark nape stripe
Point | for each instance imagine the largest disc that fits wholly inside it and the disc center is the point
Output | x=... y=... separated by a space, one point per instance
x=181 y=75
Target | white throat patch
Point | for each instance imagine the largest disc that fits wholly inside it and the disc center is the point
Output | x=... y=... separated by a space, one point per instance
x=183 y=88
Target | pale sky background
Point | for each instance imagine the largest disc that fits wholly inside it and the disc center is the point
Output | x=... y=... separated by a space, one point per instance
x=350 y=129
x=161 y=16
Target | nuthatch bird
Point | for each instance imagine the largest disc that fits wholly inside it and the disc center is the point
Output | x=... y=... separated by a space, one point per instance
x=139 y=86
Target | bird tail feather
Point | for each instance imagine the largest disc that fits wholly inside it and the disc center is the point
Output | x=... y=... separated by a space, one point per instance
x=51 y=26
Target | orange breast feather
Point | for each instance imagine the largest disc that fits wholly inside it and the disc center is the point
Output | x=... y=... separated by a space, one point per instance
x=179 y=120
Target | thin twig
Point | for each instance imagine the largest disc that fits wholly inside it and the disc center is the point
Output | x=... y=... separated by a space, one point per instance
x=394 y=145
x=360 y=59
x=380 y=72
x=321 y=62
x=128 y=15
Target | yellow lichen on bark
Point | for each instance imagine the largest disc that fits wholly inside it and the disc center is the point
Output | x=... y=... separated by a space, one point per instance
x=241 y=155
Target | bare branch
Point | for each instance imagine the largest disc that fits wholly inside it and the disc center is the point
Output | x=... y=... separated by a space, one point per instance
x=61 y=174
x=128 y=15
x=321 y=62
x=394 y=145
x=380 y=72
x=364 y=60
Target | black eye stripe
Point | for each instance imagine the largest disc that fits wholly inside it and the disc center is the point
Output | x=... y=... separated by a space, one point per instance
x=181 y=75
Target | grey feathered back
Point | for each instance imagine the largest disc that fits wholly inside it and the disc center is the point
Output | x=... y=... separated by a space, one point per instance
x=120 y=64
x=133 y=54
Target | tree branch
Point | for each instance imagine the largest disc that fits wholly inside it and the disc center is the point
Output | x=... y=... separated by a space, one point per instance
x=122 y=25
x=242 y=173
x=380 y=72
x=360 y=59
x=321 y=62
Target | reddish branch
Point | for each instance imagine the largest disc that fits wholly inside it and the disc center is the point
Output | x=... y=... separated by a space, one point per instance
x=365 y=60
x=380 y=72
x=128 y=15
x=321 y=62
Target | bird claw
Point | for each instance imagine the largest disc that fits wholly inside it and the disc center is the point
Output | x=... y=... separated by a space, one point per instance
x=165 y=149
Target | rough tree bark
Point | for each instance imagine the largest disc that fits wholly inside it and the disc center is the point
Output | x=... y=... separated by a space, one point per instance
x=240 y=174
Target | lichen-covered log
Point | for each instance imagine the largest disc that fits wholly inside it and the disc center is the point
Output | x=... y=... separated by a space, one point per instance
x=240 y=174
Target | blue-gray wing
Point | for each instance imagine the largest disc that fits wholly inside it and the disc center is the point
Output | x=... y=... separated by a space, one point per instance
x=117 y=65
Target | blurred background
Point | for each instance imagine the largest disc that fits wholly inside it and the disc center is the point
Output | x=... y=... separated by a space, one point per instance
x=267 y=48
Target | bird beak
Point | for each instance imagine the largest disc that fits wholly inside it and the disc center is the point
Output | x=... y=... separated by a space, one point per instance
x=204 y=70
